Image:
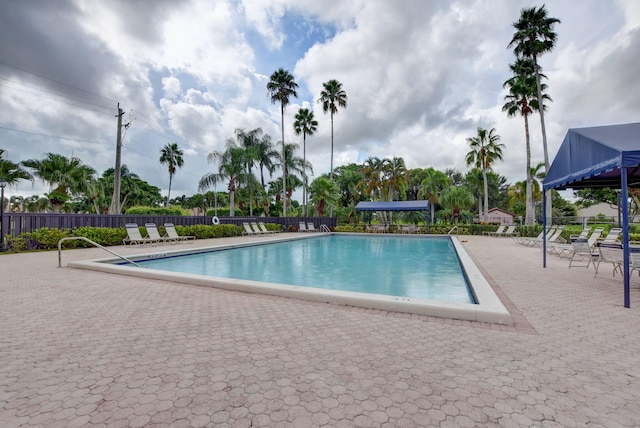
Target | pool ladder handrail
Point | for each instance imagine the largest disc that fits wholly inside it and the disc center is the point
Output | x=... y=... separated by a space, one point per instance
x=454 y=228
x=324 y=228
x=68 y=238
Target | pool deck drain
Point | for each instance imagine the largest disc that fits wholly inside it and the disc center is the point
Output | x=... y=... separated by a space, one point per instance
x=83 y=348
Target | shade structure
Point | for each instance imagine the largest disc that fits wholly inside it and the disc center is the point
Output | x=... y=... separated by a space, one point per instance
x=600 y=156
x=396 y=206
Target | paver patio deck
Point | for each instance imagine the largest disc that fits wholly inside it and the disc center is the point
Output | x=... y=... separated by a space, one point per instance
x=82 y=348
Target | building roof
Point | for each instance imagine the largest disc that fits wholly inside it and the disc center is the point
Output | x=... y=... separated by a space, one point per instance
x=393 y=206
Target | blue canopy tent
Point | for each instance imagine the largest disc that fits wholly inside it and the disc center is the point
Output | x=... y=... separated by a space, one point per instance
x=395 y=206
x=601 y=156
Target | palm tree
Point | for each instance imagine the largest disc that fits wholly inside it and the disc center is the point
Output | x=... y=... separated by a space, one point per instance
x=293 y=165
x=281 y=87
x=11 y=172
x=171 y=155
x=266 y=155
x=431 y=188
x=485 y=150
x=249 y=141
x=323 y=192
x=68 y=176
x=372 y=178
x=332 y=97
x=456 y=199
x=522 y=100
x=534 y=36
x=396 y=179
x=232 y=167
x=305 y=124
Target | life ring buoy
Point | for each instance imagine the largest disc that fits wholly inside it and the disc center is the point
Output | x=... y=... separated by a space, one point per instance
x=215 y=220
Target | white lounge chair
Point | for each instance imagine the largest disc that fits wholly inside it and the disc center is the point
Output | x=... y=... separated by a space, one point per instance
x=152 y=231
x=134 y=237
x=567 y=249
x=256 y=229
x=247 y=229
x=582 y=250
x=264 y=229
x=612 y=236
x=311 y=227
x=173 y=233
x=302 y=227
x=496 y=232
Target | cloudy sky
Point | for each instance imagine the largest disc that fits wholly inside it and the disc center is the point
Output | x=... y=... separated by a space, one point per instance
x=420 y=76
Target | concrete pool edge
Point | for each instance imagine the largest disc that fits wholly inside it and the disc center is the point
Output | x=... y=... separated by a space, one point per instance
x=489 y=308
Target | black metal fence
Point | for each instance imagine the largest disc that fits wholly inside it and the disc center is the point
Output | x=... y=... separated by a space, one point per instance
x=18 y=223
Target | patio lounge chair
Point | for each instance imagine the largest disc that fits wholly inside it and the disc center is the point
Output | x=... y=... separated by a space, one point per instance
x=524 y=240
x=496 y=232
x=302 y=227
x=256 y=229
x=152 y=231
x=134 y=237
x=172 y=233
x=612 y=236
x=248 y=230
x=264 y=229
x=311 y=227
x=582 y=250
x=567 y=249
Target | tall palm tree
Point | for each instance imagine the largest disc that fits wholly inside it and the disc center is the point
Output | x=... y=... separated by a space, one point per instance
x=533 y=37
x=305 y=124
x=67 y=176
x=332 y=97
x=293 y=165
x=249 y=141
x=485 y=150
x=266 y=155
x=171 y=155
x=281 y=87
x=521 y=99
x=372 y=178
x=232 y=167
x=396 y=179
x=431 y=188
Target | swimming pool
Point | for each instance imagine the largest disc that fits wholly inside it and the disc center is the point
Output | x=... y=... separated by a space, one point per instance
x=487 y=306
x=381 y=264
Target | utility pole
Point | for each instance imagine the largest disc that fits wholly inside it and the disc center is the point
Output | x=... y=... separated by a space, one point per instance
x=115 y=199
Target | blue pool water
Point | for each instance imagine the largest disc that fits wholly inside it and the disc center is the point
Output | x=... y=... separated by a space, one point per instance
x=415 y=267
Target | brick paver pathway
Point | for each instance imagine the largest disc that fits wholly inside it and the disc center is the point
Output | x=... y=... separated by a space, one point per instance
x=81 y=348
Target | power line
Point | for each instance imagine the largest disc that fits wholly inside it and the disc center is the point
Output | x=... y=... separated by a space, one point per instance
x=57 y=81
x=52 y=136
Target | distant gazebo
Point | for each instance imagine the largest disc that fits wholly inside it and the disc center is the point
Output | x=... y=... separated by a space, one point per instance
x=498 y=215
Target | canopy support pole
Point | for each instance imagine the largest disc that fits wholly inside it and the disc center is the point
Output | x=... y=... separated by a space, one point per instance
x=544 y=227
x=625 y=236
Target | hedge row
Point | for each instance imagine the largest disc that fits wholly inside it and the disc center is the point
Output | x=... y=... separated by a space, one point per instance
x=48 y=238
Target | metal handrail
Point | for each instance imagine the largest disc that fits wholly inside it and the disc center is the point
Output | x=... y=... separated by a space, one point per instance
x=67 y=238
x=324 y=228
x=452 y=229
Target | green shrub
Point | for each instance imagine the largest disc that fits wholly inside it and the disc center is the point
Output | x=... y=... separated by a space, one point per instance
x=203 y=231
x=220 y=212
x=47 y=239
x=105 y=236
x=157 y=211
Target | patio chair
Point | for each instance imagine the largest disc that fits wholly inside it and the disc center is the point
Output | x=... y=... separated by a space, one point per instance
x=134 y=237
x=311 y=227
x=247 y=229
x=524 y=240
x=302 y=227
x=610 y=253
x=152 y=231
x=264 y=229
x=256 y=229
x=582 y=250
x=565 y=249
x=496 y=232
x=172 y=233
x=612 y=236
